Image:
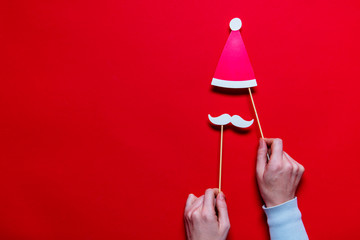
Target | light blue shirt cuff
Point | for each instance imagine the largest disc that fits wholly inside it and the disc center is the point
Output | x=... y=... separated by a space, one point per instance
x=285 y=222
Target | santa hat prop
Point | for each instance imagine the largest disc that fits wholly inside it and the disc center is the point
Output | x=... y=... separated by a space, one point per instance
x=234 y=69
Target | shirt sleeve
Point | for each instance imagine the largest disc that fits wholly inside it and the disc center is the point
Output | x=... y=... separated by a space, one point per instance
x=285 y=222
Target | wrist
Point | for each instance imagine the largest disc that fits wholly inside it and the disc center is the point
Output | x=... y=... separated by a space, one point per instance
x=277 y=201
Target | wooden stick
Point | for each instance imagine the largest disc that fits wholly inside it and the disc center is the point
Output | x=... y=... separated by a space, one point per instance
x=221 y=147
x=258 y=121
x=257 y=118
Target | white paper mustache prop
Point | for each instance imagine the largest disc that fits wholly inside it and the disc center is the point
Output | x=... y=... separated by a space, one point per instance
x=236 y=120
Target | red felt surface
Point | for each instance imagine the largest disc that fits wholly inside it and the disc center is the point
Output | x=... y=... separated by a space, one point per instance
x=104 y=105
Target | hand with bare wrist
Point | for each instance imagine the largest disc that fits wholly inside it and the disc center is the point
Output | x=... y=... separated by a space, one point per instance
x=206 y=217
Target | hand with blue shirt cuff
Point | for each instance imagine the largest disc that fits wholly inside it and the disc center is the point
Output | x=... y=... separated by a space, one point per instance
x=278 y=177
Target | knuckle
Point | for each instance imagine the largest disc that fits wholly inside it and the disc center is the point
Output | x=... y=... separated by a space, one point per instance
x=278 y=141
x=190 y=196
x=206 y=216
x=277 y=167
x=288 y=167
x=209 y=190
x=296 y=169
x=262 y=151
x=188 y=215
x=226 y=227
x=196 y=215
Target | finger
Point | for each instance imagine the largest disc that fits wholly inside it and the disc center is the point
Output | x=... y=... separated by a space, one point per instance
x=293 y=169
x=209 y=200
x=261 y=157
x=195 y=212
x=197 y=204
x=290 y=159
x=294 y=163
x=288 y=156
x=189 y=202
x=300 y=169
x=276 y=146
x=188 y=214
x=223 y=215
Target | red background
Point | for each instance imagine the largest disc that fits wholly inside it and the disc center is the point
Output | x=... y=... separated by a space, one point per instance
x=104 y=128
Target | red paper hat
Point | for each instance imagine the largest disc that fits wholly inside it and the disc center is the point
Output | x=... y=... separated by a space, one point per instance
x=234 y=69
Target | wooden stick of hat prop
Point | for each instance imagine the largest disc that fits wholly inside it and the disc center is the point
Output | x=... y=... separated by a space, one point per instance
x=256 y=115
x=249 y=77
x=234 y=71
x=257 y=119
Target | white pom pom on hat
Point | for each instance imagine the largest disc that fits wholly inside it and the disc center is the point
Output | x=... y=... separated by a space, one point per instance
x=235 y=24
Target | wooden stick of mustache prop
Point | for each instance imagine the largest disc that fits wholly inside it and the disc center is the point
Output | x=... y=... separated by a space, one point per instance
x=222 y=120
x=221 y=147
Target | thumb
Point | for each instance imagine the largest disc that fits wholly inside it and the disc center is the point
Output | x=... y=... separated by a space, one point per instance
x=223 y=216
x=261 y=158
